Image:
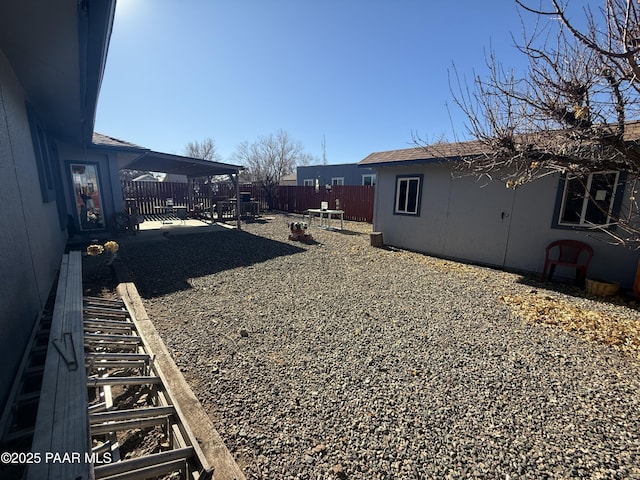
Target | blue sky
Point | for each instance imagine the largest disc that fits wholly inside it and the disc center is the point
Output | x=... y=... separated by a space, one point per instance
x=362 y=74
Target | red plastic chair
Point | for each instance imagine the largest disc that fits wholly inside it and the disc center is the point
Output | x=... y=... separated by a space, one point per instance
x=568 y=253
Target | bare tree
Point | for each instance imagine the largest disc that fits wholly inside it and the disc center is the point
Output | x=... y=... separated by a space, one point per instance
x=268 y=159
x=570 y=112
x=307 y=159
x=205 y=150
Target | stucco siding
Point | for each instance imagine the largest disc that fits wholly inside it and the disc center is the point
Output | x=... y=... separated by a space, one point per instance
x=530 y=225
x=31 y=238
x=484 y=222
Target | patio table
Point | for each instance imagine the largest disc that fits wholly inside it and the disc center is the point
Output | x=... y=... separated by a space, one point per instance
x=313 y=212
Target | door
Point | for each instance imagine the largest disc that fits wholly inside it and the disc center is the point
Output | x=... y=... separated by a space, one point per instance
x=478 y=221
x=85 y=179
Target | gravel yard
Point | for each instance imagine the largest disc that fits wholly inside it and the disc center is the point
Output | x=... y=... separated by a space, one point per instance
x=340 y=360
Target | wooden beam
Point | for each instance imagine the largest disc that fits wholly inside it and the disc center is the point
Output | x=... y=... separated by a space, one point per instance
x=152 y=471
x=105 y=337
x=121 y=425
x=117 y=356
x=91 y=328
x=104 y=311
x=119 y=345
x=102 y=301
x=102 y=381
x=62 y=424
x=111 y=469
x=117 y=415
x=111 y=323
x=115 y=364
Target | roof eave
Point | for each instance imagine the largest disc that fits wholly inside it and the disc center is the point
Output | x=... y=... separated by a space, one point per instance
x=392 y=163
x=96 y=25
x=57 y=51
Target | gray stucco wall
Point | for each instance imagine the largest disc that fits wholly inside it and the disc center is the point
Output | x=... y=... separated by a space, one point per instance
x=484 y=222
x=31 y=238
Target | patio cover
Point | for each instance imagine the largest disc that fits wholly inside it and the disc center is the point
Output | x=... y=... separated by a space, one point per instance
x=190 y=167
x=135 y=157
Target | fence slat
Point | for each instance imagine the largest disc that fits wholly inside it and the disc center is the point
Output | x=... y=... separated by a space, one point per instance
x=355 y=200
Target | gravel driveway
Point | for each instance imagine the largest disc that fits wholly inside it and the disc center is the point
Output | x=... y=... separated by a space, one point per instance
x=340 y=360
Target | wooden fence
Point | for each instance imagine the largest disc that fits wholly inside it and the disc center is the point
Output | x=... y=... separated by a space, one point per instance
x=149 y=197
x=355 y=200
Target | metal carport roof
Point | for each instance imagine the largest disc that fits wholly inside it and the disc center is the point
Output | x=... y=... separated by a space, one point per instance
x=191 y=167
x=135 y=157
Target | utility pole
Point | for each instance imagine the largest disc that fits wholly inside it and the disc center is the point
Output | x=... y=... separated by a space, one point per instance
x=324 y=151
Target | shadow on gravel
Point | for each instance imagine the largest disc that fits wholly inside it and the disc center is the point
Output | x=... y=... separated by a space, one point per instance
x=159 y=268
x=534 y=281
x=347 y=232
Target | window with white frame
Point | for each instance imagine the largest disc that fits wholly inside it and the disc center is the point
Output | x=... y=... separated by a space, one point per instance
x=369 y=179
x=588 y=201
x=408 y=194
x=337 y=181
x=308 y=182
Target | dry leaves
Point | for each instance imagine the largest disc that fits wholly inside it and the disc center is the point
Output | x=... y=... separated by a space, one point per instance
x=616 y=331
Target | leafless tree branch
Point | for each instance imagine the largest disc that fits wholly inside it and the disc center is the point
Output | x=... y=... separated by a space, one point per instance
x=570 y=111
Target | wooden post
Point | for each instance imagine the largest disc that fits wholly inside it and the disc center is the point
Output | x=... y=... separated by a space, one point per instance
x=636 y=283
x=376 y=239
x=238 y=200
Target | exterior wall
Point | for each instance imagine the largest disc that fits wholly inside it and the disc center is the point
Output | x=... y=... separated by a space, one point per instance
x=486 y=223
x=32 y=238
x=351 y=173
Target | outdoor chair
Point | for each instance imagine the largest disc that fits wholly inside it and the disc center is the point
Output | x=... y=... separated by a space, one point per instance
x=568 y=253
x=181 y=213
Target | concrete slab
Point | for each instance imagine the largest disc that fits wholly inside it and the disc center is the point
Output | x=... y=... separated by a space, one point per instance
x=182 y=226
x=162 y=230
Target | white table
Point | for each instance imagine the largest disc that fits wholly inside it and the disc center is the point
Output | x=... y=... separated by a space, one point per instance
x=328 y=214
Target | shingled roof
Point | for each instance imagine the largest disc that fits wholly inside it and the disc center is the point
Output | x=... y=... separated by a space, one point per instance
x=101 y=140
x=426 y=154
x=455 y=151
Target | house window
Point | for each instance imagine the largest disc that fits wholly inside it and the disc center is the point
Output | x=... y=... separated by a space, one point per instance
x=42 y=152
x=337 y=181
x=588 y=202
x=369 y=179
x=308 y=182
x=408 y=194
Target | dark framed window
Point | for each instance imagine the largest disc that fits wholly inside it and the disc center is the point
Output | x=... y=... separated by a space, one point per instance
x=369 y=179
x=43 y=155
x=408 y=194
x=591 y=201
